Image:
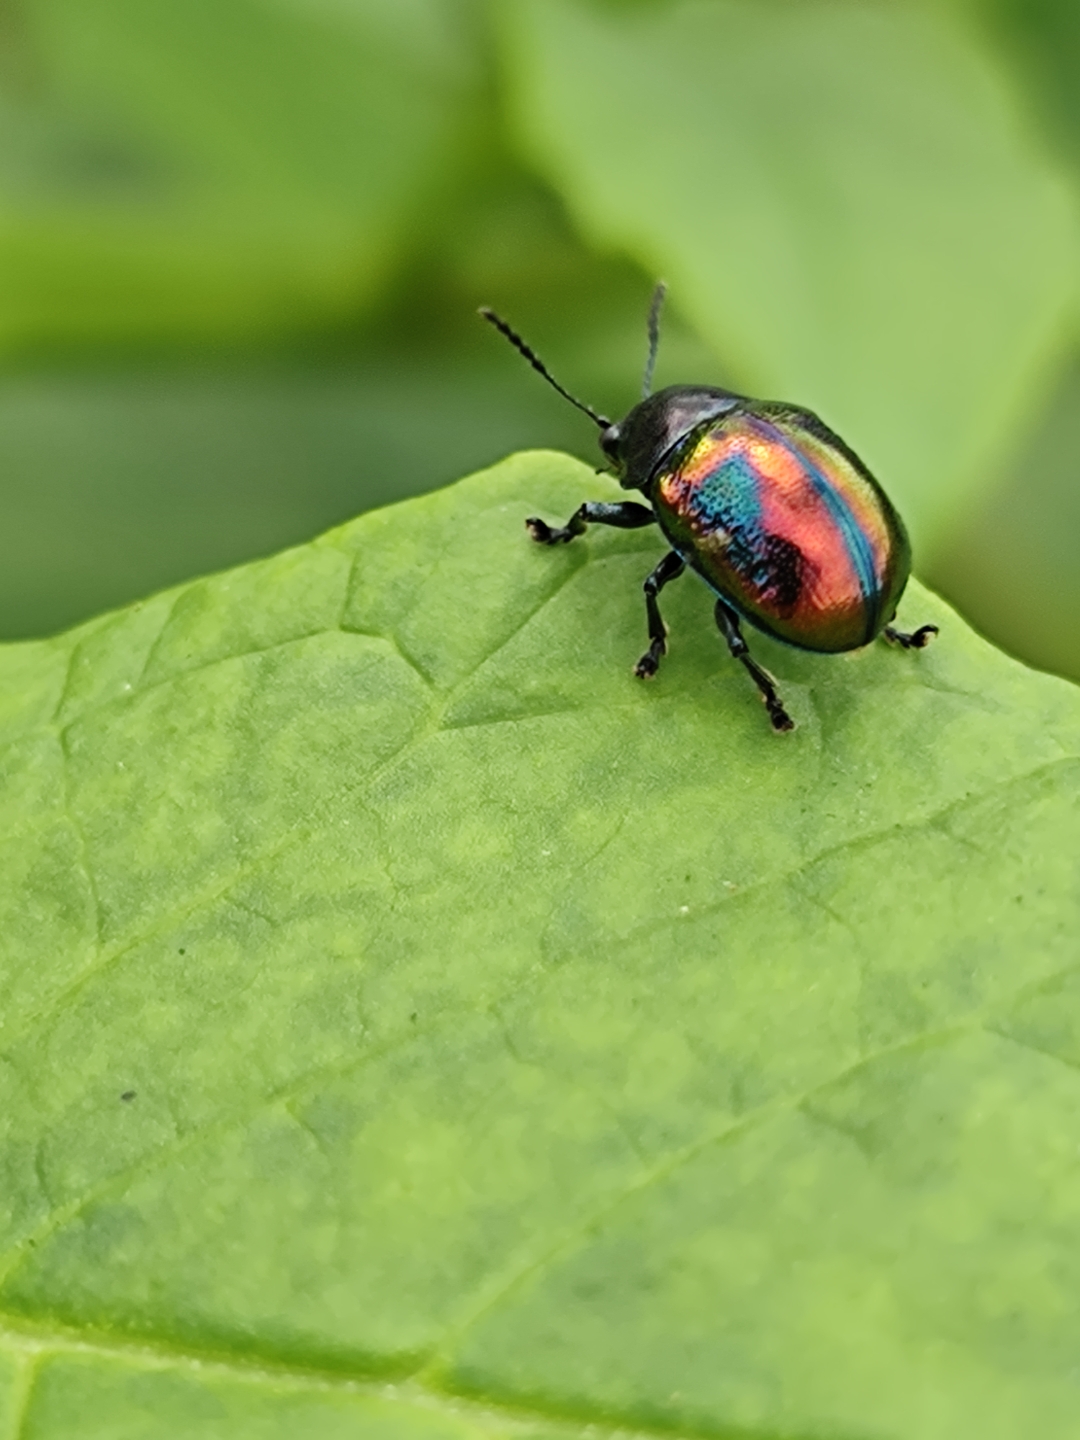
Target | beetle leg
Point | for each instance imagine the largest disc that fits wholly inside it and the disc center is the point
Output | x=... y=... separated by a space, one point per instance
x=626 y=514
x=670 y=568
x=728 y=622
x=915 y=641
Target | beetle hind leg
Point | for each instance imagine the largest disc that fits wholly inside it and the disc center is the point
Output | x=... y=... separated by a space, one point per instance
x=917 y=640
x=728 y=622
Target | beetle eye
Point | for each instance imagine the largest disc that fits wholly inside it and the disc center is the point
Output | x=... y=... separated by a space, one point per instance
x=609 y=443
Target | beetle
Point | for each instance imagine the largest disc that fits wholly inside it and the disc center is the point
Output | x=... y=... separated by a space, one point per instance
x=773 y=510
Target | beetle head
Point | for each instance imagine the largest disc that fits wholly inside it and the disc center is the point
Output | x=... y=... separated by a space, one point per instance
x=637 y=445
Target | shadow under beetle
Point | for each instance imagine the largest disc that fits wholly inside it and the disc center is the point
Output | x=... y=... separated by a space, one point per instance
x=770 y=507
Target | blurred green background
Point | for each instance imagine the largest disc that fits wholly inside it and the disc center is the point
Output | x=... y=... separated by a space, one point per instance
x=242 y=243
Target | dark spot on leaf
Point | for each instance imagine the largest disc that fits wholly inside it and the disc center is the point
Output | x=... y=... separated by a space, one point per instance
x=128 y=1095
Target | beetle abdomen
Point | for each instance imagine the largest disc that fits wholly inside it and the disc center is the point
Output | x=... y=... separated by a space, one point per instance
x=782 y=519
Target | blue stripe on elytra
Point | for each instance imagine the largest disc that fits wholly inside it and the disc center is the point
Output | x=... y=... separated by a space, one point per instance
x=859 y=549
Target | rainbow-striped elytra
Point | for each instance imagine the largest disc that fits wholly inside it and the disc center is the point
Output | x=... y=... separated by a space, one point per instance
x=770 y=507
x=782 y=519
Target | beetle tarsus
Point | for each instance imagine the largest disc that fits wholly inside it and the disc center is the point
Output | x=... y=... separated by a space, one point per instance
x=781 y=720
x=649 y=663
x=917 y=640
x=728 y=622
x=543 y=534
x=623 y=514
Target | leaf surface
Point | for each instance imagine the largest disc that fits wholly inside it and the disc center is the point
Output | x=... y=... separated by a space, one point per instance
x=413 y=1024
x=845 y=198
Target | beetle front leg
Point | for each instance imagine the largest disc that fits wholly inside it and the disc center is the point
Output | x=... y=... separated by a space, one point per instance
x=915 y=641
x=670 y=568
x=728 y=622
x=626 y=514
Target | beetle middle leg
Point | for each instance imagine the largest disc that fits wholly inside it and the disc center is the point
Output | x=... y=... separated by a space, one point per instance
x=915 y=641
x=728 y=622
x=625 y=514
x=670 y=568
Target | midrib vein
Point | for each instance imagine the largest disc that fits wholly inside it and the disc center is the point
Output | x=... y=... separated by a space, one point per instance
x=34 y=1344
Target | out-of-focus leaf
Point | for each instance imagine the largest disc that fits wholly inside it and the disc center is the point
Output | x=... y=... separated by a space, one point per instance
x=844 y=198
x=1042 y=40
x=115 y=485
x=215 y=168
x=393 y=988
x=1012 y=560
x=120 y=481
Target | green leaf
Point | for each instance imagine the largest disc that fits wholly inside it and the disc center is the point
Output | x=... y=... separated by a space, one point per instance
x=1042 y=40
x=845 y=198
x=199 y=169
x=1010 y=560
x=412 y=1023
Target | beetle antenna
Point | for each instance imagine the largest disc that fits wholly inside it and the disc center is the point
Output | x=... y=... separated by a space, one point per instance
x=654 y=337
x=537 y=364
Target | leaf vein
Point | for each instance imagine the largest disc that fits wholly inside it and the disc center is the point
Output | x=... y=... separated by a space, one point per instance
x=80 y=838
x=21 y=1393
x=434 y=1369
x=489 y=1418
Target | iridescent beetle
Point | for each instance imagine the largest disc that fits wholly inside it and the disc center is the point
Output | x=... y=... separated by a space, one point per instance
x=765 y=502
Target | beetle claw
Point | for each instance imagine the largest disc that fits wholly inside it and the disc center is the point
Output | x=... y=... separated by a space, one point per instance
x=540 y=531
x=649 y=663
x=917 y=640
